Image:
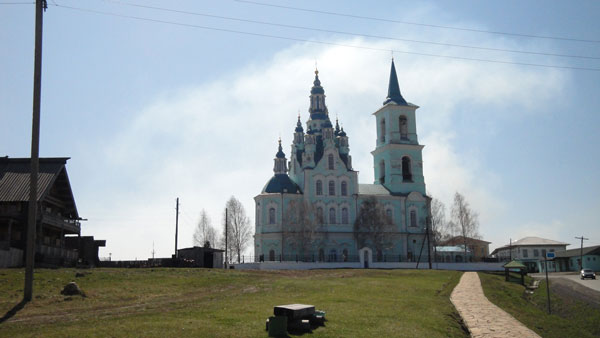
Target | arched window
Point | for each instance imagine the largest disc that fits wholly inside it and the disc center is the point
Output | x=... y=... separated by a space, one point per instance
x=321 y=254
x=344 y=215
x=413 y=218
x=403 y=127
x=344 y=188
x=272 y=216
x=271 y=255
x=406 y=169
x=388 y=215
x=382 y=171
x=333 y=255
x=331 y=216
x=331 y=188
x=330 y=161
x=319 y=188
x=319 y=215
x=382 y=123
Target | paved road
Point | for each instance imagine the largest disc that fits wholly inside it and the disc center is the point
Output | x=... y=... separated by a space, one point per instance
x=593 y=284
x=482 y=318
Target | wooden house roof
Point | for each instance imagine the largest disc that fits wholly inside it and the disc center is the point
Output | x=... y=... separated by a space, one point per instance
x=15 y=176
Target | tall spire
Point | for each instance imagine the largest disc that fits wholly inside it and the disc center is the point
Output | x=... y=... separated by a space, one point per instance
x=318 y=109
x=394 y=89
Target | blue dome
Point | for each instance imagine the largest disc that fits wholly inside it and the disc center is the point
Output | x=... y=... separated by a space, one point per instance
x=281 y=183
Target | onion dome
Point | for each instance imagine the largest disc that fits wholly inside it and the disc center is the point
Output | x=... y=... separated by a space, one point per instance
x=342 y=133
x=280 y=153
x=317 y=89
x=299 y=128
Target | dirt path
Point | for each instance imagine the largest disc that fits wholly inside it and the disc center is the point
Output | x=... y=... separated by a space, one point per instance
x=482 y=318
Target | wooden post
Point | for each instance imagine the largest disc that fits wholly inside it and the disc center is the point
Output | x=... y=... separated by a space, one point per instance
x=40 y=5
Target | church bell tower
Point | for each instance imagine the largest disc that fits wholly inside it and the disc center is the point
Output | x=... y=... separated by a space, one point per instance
x=397 y=156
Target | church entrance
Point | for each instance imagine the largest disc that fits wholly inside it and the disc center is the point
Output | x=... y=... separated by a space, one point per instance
x=365 y=256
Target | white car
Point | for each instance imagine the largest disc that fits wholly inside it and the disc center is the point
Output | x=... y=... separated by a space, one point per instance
x=587 y=273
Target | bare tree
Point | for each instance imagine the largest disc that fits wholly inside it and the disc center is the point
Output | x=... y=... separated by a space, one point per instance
x=238 y=227
x=464 y=219
x=439 y=224
x=301 y=227
x=372 y=226
x=205 y=235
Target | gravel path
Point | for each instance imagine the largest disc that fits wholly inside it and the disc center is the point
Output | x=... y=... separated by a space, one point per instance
x=482 y=318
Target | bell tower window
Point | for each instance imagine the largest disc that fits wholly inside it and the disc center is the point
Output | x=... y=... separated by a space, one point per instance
x=330 y=161
x=382 y=171
x=403 y=128
x=406 y=169
x=382 y=130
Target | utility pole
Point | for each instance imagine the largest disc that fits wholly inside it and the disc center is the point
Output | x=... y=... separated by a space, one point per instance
x=510 y=251
x=176 y=224
x=40 y=7
x=581 y=251
x=427 y=228
x=153 y=250
x=226 y=238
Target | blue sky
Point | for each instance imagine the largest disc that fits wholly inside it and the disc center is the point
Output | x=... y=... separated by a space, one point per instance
x=151 y=111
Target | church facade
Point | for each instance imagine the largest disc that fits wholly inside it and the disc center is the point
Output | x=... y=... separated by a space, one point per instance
x=307 y=211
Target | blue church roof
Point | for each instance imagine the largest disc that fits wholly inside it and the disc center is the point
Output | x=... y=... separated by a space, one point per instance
x=394 y=89
x=281 y=183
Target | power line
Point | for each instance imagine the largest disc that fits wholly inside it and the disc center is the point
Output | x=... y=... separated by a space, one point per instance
x=17 y=3
x=347 y=33
x=323 y=42
x=418 y=23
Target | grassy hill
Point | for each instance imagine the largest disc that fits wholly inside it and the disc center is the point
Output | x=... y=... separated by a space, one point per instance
x=218 y=303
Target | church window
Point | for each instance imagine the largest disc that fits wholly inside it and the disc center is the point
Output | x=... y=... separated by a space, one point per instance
x=320 y=215
x=319 y=187
x=331 y=188
x=272 y=216
x=413 y=218
x=331 y=216
x=403 y=127
x=382 y=171
x=321 y=254
x=330 y=161
x=271 y=255
x=333 y=255
x=406 y=169
x=344 y=215
x=388 y=215
x=382 y=130
x=344 y=188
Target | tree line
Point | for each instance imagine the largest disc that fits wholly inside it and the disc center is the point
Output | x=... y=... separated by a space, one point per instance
x=237 y=237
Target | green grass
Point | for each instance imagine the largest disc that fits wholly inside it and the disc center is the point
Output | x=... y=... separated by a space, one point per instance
x=569 y=318
x=218 y=303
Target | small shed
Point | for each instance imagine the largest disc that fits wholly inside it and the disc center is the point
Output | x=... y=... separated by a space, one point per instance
x=515 y=265
x=203 y=257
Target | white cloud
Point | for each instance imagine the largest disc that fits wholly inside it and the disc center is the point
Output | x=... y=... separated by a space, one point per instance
x=206 y=143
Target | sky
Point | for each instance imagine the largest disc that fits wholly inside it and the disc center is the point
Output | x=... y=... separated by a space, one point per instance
x=157 y=100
